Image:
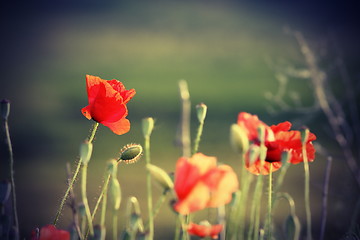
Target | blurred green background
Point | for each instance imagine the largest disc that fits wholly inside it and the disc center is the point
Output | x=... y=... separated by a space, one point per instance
x=226 y=50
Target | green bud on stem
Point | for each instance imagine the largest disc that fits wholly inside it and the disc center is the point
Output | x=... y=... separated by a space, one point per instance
x=85 y=152
x=147 y=126
x=238 y=139
x=201 y=110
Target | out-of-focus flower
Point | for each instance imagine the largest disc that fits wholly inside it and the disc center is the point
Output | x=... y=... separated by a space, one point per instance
x=200 y=183
x=107 y=103
x=278 y=138
x=50 y=232
x=205 y=229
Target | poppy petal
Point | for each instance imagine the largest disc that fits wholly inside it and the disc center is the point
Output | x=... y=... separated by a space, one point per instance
x=120 y=127
x=204 y=230
x=196 y=200
x=256 y=168
x=119 y=87
x=222 y=182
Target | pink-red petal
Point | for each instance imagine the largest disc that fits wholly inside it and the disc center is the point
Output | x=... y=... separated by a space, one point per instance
x=204 y=230
x=119 y=127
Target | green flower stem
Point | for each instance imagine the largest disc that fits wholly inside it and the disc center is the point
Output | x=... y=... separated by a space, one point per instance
x=256 y=205
x=103 y=197
x=12 y=178
x=184 y=235
x=240 y=211
x=289 y=199
x=115 y=224
x=255 y=210
x=104 y=201
x=269 y=233
x=198 y=137
x=307 y=192
x=280 y=179
x=177 y=228
x=84 y=198
x=159 y=203
x=231 y=228
x=91 y=138
x=149 y=190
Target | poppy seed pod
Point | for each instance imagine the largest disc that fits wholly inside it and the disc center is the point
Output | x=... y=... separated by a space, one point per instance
x=131 y=153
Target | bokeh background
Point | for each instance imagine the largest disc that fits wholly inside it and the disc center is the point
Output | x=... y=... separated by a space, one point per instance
x=228 y=51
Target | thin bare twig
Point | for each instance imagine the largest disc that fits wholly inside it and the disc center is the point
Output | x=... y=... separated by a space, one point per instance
x=325 y=197
x=318 y=78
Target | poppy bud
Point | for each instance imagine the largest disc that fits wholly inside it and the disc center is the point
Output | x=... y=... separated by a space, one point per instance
x=201 y=110
x=112 y=167
x=5 y=109
x=160 y=176
x=239 y=139
x=115 y=191
x=85 y=152
x=131 y=153
x=254 y=153
x=147 y=126
x=133 y=213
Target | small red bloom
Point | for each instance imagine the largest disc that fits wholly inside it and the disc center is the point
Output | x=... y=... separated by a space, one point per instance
x=50 y=232
x=200 y=183
x=205 y=230
x=107 y=103
x=278 y=138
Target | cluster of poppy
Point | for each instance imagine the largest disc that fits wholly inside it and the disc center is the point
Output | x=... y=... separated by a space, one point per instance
x=278 y=138
x=199 y=182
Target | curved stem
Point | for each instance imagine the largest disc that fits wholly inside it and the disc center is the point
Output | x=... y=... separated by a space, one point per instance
x=12 y=178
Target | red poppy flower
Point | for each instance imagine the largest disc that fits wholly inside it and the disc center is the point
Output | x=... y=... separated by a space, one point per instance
x=278 y=138
x=50 y=232
x=205 y=230
x=107 y=103
x=200 y=183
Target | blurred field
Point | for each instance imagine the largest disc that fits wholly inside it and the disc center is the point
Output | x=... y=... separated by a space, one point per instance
x=224 y=50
